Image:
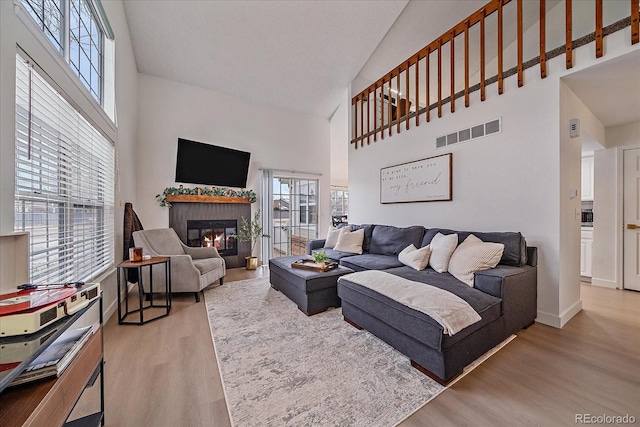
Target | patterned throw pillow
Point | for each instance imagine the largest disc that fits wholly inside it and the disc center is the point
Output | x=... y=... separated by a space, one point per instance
x=474 y=255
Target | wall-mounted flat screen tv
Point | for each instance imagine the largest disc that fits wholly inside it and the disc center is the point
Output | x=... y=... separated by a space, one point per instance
x=199 y=163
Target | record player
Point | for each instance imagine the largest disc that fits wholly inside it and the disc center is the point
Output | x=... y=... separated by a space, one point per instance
x=34 y=307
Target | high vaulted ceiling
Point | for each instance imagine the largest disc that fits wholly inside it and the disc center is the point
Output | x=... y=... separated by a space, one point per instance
x=299 y=55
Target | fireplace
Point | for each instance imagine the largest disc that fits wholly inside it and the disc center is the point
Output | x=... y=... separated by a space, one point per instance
x=220 y=234
x=181 y=213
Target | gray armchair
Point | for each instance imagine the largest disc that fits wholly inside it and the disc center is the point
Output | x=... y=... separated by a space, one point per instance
x=192 y=269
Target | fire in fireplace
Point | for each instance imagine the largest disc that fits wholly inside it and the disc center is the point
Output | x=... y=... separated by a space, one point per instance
x=220 y=234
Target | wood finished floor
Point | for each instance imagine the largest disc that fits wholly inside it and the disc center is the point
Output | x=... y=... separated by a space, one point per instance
x=165 y=372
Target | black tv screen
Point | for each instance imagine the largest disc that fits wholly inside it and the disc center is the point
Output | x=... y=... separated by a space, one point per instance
x=199 y=163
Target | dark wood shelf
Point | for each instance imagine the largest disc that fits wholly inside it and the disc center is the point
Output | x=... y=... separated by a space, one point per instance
x=49 y=402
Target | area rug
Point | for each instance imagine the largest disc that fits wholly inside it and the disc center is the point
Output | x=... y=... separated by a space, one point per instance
x=282 y=368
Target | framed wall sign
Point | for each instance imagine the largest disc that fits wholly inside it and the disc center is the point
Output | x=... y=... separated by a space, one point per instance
x=426 y=180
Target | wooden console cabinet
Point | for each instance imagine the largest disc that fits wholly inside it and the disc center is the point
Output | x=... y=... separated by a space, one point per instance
x=49 y=402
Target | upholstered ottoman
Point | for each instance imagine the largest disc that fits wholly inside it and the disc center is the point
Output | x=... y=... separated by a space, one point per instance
x=312 y=291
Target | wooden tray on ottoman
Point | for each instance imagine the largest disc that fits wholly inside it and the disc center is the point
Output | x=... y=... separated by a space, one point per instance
x=309 y=264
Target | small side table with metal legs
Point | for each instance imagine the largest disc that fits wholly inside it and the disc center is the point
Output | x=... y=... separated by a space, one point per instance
x=123 y=266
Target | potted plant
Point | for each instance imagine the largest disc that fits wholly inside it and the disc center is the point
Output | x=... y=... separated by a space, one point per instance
x=251 y=231
x=321 y=258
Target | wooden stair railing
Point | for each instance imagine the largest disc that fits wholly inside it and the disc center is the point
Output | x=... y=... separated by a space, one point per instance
x=383 y=92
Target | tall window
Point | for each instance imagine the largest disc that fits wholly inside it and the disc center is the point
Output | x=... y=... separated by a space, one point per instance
x=64 y=193
x=339 y=201
x=79 y=38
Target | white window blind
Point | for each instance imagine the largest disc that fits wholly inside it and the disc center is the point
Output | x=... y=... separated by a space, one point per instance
x=64 y=184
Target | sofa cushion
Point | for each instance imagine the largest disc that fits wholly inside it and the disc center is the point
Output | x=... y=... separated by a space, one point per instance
x=442 y=247
x=515 y=245
x=206 y=265
x=368 y=230
x=474 y=255
x=350 y=241
x=413 y=323
x=415 y=258
x=370 y=262
x=389 y=240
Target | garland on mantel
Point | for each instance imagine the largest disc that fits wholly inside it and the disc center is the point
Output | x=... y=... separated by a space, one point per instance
x=204 y=191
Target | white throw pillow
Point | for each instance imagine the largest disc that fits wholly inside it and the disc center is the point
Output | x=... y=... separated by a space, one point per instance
x=474 y=255
x=442 y=246
x=332 y=237
x=415 y=258
x=350 y=241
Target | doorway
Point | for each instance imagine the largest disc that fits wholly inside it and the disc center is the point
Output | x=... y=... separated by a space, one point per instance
x=631 y=219
x=294 y=215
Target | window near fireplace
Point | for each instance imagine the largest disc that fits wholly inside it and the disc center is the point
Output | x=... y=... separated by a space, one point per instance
x=219 y=234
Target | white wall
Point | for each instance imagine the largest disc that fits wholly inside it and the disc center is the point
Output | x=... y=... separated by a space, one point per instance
x=126 y=100
x=505 y=182
x=275 y=137
x=14 y=31
x=339 y=145
x=571 y=107
x=518 y=180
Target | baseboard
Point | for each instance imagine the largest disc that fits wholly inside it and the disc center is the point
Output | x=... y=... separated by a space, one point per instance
x=570 y=312
x=113 y=307
x=561 y=320
x=548 y=319
x=612 y=284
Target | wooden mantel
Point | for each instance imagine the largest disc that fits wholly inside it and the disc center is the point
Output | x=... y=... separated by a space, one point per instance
x=192 y=198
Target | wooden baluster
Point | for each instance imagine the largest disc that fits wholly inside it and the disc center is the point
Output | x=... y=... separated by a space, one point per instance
x=375 y=111
x=466 y=63
x=500 y=49
x=407 y=91
x=568 y=35
x=417 y=91
x=482 y=65
x=635 y=22
x=398 y=101
x=368 y=116
x=520 y=49
x=543 y=48
x=426 y=72
x=362 y=120
x=390 y=107
x=354 y=101
x=382 y=110
x=440 y=78
x=599 y=50
x=453 y=72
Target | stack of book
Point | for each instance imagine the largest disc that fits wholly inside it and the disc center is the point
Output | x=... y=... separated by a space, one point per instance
x=55 y=359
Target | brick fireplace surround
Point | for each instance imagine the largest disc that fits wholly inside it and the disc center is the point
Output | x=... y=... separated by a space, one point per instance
x=180 y=212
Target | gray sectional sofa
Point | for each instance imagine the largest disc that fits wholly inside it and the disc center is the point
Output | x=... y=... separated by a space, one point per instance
x=504 y=297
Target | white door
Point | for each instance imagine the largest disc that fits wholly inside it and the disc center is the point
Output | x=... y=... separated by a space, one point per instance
x=632 y=219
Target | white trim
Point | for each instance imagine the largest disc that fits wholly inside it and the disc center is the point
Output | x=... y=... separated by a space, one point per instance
x=548 y=319
x=299 y=174
x=603 y=283
x=570 y=312
x=561 y=320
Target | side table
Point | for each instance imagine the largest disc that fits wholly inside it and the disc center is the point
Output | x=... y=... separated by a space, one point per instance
x=141 y=308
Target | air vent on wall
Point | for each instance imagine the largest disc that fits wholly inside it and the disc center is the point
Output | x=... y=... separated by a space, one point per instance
x=474 y=132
